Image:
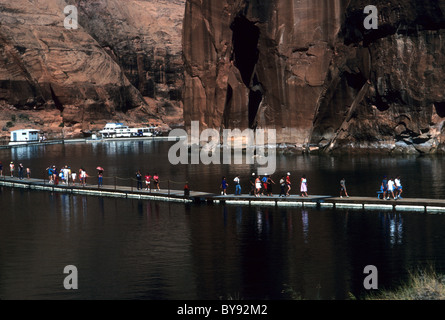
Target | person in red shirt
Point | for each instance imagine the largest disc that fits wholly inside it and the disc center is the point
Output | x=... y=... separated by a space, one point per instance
x=147 y=181
x=288 y=183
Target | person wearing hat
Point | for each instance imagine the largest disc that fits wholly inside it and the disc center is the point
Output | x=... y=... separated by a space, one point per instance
x=100 y=175
x=237 y=185
x=288 y=183
x=264 y=184
x=252 y=184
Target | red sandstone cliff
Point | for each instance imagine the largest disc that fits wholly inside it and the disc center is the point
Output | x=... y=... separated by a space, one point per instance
x=123 y=63
x=306 y=68
x=310 y=70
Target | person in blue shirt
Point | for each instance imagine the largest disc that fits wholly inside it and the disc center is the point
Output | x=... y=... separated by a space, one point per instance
x=224 y=186
x=264 y=185
x=384 y=186
x=49 y=170
x=139 y=180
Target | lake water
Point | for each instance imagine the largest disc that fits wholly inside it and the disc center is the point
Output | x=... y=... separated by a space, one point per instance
x=134 y=249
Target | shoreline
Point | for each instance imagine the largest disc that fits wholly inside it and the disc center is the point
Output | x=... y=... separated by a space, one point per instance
x=280 y=148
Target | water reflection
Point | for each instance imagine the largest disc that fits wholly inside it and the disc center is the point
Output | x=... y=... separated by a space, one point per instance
x=239 y=219
x=259 y=222
x=392 y=227
x=24 y=153
x=305 y=220
x=153 y=212
x=65 y=210
x=246 y=250
x=84 y=205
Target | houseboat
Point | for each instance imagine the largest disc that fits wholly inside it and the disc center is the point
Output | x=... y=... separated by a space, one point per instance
x=24 y=136
x=119 y=130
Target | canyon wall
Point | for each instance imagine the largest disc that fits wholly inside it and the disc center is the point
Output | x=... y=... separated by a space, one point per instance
x=310 y=70
x=123 y=63
x=307 y=68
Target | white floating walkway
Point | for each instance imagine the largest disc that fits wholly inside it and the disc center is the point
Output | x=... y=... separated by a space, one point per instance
x=353 y=203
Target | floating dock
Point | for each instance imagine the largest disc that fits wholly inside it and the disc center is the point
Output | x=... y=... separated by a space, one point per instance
x=170 y=195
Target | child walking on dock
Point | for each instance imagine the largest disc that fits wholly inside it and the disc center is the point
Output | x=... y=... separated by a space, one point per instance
x=303 y=186
x=343 y=188
x=282 y=186
x=224 y=186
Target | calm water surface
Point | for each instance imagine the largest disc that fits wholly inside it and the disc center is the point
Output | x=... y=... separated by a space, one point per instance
x=132 y=249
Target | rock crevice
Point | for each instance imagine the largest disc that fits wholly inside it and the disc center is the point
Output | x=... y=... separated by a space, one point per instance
x=310 y=70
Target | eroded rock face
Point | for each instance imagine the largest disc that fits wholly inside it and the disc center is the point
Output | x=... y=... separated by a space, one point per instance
x=144 y=38
x=265 y=63
x=117 y=66
x=310 y=70
x=404 y=63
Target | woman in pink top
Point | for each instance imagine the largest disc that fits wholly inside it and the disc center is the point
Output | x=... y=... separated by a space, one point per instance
x=156 y=181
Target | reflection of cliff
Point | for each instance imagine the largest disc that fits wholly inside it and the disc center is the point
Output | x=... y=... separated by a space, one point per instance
x=310 y=70
x=123 y=63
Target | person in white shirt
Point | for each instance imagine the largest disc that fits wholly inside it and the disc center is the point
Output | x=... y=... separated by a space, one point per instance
x=391 y=188
x=398 y=188
x=237 y=185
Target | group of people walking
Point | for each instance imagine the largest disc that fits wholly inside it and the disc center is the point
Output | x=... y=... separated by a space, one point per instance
x=151 y=182
x=262 y=186
x=259 y=185
x=66 y=175
x=392 y=187
x=19 y=169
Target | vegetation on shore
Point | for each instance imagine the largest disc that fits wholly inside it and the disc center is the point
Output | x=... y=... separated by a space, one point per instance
x=424 y=284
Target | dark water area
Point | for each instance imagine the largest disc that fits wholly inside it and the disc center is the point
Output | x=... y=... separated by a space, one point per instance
x=138 y=249
x=421 y=175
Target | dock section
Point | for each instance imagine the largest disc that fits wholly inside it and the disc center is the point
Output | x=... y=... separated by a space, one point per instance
x=167 y=195
x=171 y=195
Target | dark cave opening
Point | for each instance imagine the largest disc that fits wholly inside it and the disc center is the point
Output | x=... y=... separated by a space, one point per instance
x=440 y=109
x=255 y=98
x=56 y=100
x=245 y=47
x=355 y=80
